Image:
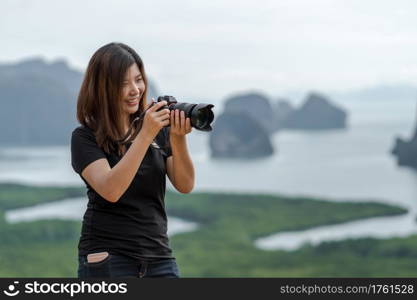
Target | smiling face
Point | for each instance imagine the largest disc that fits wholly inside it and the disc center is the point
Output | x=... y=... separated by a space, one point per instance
x=133 y=87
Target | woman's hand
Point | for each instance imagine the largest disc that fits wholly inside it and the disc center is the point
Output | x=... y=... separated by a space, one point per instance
x=180 y=126
x=180 y=168
x=154 y=120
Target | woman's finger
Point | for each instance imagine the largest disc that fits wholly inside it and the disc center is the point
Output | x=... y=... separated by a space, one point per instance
x=164 y=111
x=166 y=122
x=162 y=118
x=157 y=106
x=182 y=121
x=172 y=116
x=188 y=124
x=177 y=119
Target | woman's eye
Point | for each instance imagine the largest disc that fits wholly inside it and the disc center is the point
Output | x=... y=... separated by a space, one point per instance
x=137 y=80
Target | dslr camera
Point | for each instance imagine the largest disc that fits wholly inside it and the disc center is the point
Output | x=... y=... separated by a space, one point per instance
x=201 y=115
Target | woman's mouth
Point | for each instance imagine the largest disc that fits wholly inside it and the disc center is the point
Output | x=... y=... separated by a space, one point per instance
x=132 y=102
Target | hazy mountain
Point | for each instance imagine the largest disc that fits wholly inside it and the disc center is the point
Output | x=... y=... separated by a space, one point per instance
x=255 y=105
x=405 y=151
x=237 y=135
x=316 y=113
x=38 y=102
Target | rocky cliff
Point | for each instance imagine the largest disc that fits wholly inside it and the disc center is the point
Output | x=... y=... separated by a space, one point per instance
x=38 y=102
x=237 y=135
x=317 y=113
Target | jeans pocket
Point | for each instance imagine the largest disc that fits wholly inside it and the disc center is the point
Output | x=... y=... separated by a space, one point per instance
x=101 y=269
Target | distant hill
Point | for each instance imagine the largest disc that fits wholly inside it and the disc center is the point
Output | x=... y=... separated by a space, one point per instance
x=255 y=105
x=248 y=121
x=316 y=113
x=405 y=151
x=38 y=102
x=238 y=135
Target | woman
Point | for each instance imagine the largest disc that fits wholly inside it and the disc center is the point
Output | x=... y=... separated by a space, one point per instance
x=123 y=162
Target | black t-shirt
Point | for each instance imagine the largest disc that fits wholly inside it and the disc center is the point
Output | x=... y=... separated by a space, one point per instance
x=135 y=225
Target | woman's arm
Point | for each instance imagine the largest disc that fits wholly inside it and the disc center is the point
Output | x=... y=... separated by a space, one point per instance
x=180 y=169
x=111 y=183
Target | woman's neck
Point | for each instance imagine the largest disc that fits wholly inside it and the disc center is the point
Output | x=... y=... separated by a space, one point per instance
x=126 y=125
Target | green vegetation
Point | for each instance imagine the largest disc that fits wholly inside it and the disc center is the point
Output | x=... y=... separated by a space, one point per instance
x=17 y=195
x=222 y=246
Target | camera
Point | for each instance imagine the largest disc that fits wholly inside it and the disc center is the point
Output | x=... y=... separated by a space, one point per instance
x=201 y=115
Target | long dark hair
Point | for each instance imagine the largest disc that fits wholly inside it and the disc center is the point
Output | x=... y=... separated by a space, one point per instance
x=99 y=101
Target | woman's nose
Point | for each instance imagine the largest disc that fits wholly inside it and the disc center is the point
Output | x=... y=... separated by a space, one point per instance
x=134 y=90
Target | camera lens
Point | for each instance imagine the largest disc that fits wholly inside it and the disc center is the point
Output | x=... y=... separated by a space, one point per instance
x=202 y=116
x=201 y=119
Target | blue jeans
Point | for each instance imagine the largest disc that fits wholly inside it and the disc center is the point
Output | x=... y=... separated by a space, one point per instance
x=122 y=266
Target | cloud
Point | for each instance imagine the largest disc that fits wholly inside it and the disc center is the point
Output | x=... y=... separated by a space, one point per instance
x=213 y=48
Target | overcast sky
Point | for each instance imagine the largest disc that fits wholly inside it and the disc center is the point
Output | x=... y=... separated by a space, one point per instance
x=210 y=49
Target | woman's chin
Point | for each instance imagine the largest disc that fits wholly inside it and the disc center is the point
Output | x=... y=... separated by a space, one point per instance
x=131 y=110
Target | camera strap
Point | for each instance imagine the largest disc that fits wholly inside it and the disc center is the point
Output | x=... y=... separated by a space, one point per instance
x=129 y=136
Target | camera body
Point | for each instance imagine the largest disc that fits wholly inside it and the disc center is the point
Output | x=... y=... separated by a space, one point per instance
x=169 y=99
x=201 y=115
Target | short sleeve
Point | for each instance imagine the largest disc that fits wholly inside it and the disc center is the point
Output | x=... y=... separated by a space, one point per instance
x=84 y=149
